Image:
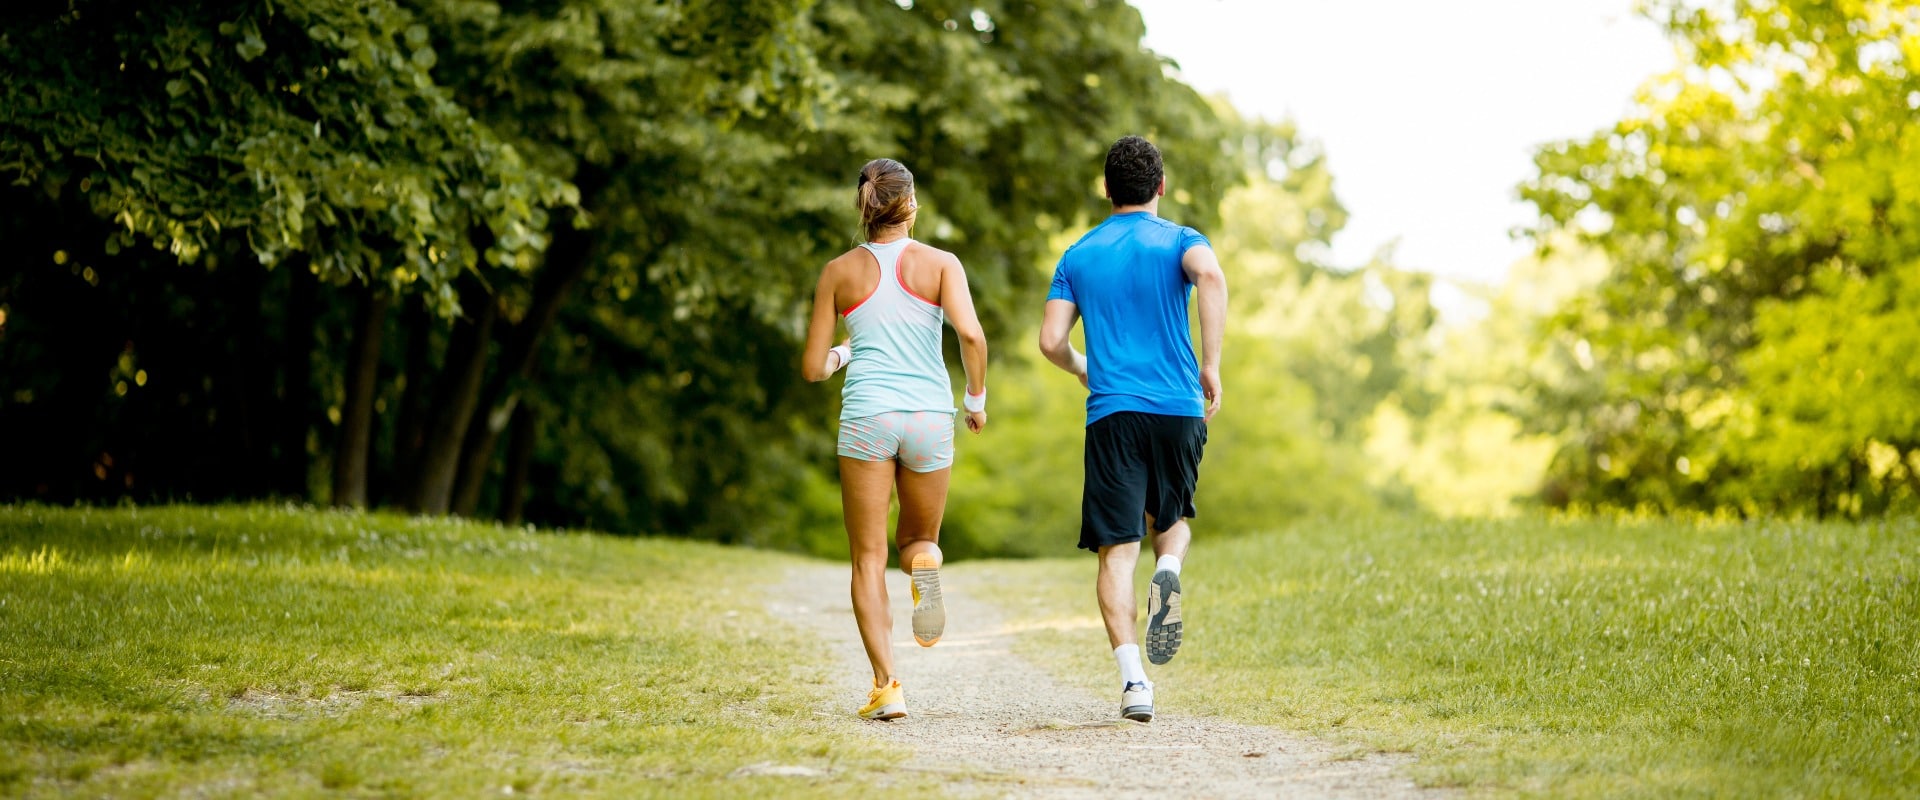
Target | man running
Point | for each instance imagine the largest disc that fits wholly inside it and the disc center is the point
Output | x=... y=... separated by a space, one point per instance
x=1149 y=402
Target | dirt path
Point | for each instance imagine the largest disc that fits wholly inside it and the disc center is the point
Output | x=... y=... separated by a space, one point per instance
x=1001 y=726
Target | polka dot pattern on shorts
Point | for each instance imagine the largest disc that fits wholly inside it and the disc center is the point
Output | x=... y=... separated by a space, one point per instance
x=920 y=440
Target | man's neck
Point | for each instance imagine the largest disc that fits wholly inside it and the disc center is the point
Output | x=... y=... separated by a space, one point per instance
x=1152 y=207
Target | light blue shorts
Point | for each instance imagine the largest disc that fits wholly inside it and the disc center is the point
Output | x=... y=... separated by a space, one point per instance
x=921 y=440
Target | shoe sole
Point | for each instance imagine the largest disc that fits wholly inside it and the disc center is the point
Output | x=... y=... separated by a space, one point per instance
x=929 y=609
x=1163 y=617
x=1138 y=713
x=887 y=712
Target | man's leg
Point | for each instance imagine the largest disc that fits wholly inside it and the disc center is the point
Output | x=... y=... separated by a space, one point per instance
x=1115 y=492
x=1171 y=542
x=1117 y=609
x=1178 y=443
x=1115 y=589
x=1164 y=625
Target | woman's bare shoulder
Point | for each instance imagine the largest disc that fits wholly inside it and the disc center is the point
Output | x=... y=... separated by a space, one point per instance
x=935 y=255
x=849 y=261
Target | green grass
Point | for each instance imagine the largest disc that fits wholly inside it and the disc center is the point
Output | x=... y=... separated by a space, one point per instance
x=241 y=651
x=1571 y=658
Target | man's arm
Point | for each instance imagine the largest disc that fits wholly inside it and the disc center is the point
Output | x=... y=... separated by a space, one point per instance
x=1210 y=283
x=1055 y=328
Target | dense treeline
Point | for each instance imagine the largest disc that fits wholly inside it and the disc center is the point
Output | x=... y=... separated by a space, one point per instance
x=528 y=259
x=549 y=261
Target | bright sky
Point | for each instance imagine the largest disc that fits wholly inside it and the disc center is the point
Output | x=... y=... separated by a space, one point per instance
x=1428 y=111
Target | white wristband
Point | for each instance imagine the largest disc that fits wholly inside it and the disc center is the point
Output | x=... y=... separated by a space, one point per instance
x=845 y=354
x=974 y=403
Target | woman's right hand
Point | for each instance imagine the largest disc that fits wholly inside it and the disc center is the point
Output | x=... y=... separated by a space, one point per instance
x=976 y=421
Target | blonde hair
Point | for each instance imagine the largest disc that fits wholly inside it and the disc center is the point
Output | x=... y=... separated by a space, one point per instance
x=885 y=197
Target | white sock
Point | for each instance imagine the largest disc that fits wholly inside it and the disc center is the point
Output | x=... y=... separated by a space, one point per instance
x=1128 y=657
x=1168 y=563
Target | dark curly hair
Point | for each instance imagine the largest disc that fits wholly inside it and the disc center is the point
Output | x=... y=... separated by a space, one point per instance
x=1133 y=171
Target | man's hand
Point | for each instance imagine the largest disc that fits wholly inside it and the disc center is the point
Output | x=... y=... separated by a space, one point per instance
x=1210 y=387
x=1080 y=369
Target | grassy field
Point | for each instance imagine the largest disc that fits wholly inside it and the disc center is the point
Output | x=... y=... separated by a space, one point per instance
x=247 y=650
x=1550 y=658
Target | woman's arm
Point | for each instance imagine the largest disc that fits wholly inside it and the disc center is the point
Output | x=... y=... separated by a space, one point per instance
x=814 y=365
x=957 y=300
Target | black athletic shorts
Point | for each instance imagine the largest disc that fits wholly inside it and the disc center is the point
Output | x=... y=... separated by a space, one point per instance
x=1138 y=463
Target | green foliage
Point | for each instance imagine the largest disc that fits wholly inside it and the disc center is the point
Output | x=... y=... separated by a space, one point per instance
x=1860 y=406
x=720 y=206
x=622 y=205
x=1310 y=352
x=1467 y=451
x=254 y=650
x=1016 y=487
x=1758 y=211
x=1550 y=657
x=304 y=127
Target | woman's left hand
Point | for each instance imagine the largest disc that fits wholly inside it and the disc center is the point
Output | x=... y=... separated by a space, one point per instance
x=976 y=421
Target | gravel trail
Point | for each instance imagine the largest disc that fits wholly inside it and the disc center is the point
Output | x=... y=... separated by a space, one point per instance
x=993 y=724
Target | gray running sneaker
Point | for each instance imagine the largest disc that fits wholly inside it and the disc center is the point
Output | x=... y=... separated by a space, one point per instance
x=1136 y=701
x=929 y=608
x=1163 y=617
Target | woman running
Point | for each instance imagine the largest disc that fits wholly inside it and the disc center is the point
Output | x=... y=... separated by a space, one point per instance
x=896 y=414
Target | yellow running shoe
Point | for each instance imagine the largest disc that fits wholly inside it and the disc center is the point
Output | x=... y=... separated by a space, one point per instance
x=929 y=610
x=885 y=702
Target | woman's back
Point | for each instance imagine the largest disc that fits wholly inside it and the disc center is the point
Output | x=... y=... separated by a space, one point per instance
x=895 y=330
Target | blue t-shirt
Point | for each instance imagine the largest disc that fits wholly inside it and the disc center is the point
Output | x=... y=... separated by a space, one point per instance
x=1126 y=279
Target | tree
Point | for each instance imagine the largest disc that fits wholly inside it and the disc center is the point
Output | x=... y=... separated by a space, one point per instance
x=587 y=227
x=1759 y=196
x=706 y=243
x=182 y=123
x=309 y=134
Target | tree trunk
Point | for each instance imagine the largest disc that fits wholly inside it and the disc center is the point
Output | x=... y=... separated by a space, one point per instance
x=453 y=408
x=356 y=418
x=1856 y=504
x=566 y=262
x=476 y=453
x=1820 y=496
x=251 y=383
x=296 y=387
x=410 y=435
x=565 y=266
x=1913 y=476
x=513 y=493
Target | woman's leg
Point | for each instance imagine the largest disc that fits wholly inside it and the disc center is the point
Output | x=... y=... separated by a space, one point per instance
x=927 y=447
x=865 y=488
x=923 y=501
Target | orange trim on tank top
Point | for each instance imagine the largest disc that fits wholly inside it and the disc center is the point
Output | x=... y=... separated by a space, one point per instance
x=898 y=277
x=863 y=300
x=876 y=282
